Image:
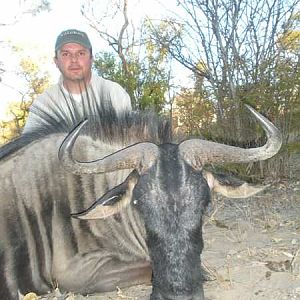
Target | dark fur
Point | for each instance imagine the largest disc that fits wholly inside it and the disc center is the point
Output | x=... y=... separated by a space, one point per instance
x=169 y=197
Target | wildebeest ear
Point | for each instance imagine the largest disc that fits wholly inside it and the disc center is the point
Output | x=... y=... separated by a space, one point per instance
x=231 y=187
x=113 y=201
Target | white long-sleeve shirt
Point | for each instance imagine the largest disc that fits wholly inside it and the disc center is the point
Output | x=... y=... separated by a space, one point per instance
x=56 y=101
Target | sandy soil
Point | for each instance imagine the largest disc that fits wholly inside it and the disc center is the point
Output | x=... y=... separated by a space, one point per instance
x=252 y=249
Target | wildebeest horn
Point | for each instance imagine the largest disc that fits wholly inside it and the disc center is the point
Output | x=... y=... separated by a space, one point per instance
x=140 y=155
x=199 y=152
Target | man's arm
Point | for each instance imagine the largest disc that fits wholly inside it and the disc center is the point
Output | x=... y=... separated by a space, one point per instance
x=120 y=98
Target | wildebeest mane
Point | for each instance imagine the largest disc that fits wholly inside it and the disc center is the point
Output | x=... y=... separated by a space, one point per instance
x=104 y=123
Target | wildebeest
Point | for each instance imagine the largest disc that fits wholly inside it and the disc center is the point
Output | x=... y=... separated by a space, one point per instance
x=146 y=224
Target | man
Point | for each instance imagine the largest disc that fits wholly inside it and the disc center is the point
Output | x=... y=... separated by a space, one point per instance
x=79 y=89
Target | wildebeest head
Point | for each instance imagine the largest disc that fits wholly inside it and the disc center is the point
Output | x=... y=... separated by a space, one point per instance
x=170 y=192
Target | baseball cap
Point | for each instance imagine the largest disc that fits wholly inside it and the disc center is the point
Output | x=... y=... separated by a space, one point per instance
x=72 y=36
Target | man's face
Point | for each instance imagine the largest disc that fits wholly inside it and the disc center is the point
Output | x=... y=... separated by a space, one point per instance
x=74 y=61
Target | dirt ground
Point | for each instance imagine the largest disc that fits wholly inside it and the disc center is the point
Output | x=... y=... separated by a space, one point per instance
x=252 y=249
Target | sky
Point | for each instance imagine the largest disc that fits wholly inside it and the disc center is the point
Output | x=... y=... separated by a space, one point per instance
x=37 y=35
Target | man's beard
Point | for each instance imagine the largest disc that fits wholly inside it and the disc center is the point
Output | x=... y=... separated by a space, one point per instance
x=73 y=76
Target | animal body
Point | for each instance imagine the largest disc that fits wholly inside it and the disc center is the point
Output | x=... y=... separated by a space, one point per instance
x=146 y=222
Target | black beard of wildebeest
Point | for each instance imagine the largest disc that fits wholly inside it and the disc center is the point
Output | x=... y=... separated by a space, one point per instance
x=178 y=243
x=108 y=203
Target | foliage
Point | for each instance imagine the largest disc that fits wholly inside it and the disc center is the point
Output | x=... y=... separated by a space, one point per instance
x=289 y=39
x=135 y=61
x=17 y=111
x=248 y=53
x=13 y=128
x=192 y=113
x=147 y=82
x=37 y=80
x=235 y=41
